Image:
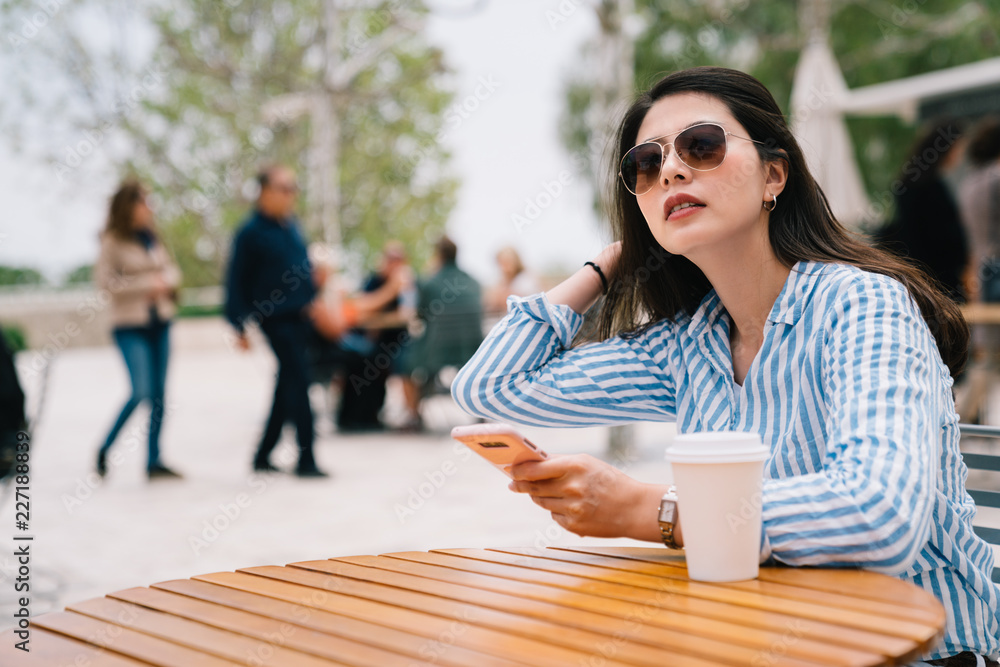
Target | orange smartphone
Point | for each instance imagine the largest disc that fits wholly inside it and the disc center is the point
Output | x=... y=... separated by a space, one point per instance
x=499 y=444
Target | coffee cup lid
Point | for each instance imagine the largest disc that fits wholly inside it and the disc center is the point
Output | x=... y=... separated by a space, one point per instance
x=717 y=447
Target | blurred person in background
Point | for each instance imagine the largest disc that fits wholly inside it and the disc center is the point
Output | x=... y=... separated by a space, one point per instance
x=13 y=422
x=927 y=226
x=979 y=202
x=385 y=330
x=270 y=282
x=514 y=281
x=140 y=276
x=979 y=199
x=449 y=307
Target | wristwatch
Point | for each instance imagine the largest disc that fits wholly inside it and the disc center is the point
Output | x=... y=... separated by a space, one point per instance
x=668 y=517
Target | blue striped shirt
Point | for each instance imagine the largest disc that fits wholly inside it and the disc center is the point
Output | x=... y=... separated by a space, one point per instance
x=848 y=390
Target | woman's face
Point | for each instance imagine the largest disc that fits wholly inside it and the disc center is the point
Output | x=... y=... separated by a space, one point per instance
x=728 y=211
x=142 y=215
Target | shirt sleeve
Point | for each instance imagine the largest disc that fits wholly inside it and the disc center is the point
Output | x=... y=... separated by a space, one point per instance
x=237 y=308
x=870 y=506
x=525 y=372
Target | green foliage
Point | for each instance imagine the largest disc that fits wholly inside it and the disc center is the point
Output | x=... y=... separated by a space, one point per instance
x=187 y=115
x=19 y=275
x=874 y=41
x=204 y=138
x=15 y=338
x=79 y=275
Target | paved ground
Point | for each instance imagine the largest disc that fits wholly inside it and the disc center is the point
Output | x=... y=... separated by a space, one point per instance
x=389 y=492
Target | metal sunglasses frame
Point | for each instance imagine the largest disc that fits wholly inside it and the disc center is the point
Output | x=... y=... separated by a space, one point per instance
x=663 y=152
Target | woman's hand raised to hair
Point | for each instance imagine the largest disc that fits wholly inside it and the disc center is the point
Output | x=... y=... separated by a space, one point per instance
x=608 y=259
x=589 y=497
x=582 y=289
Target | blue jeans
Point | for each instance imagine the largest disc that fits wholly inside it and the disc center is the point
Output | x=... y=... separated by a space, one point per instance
x=145 y=350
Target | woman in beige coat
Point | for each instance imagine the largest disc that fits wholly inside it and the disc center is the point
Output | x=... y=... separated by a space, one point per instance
x=137 y=273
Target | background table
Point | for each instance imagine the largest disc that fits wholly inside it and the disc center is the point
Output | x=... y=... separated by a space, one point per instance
x=595 y=606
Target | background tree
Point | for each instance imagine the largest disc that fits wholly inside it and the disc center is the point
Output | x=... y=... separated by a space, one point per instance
x=175 y=97
x=874 y=41
x=80 y=275
x=20 y=275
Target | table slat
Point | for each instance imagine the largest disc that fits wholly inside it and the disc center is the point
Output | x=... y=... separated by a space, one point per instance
x=657 y=626
x=49 y=648
x=332 y=623
x=631 y=586
x=553 y=634
x=705 y=615
x=126 y=641
x=770 y=583
x=857 y=583
x=440 y=631
x=197 y=636
x=258 y=627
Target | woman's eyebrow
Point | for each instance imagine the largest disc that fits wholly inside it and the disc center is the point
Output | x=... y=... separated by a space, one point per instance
x=690 y=125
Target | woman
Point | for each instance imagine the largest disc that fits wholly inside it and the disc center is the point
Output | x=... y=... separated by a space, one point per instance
x=514 y=281
x=140 y=277
x=738 y=302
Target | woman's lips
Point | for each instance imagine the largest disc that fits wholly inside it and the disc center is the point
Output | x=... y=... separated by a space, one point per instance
x=685 y=212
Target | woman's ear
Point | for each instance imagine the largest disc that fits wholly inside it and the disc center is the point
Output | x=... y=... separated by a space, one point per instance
x=775 y=175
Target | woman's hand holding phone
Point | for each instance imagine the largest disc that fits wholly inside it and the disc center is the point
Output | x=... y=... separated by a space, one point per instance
x=585 y=495
x=589 y=497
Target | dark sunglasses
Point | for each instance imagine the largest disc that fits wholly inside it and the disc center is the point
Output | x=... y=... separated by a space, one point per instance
x=701 y=147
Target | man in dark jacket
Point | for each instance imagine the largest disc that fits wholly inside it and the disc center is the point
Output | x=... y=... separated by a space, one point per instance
x=270 y=284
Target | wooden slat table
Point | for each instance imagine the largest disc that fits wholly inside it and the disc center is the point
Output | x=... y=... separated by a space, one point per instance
x=599 y=606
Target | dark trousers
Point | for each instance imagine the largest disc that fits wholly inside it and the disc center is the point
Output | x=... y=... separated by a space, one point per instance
x=146 y=351
x=289 y=339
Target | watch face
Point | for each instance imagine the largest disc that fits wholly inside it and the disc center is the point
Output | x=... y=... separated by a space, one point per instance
x=668 y=511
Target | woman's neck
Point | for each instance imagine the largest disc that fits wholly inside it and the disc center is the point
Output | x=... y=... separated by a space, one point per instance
x=748 y=283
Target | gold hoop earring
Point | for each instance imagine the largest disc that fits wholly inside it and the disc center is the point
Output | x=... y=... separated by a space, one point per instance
x=774 y=204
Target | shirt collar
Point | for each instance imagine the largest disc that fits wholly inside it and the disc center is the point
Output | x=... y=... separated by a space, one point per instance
x=787 y=307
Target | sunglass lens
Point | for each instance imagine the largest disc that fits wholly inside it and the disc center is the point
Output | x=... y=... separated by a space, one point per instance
x=701 y=147
x=641 y=167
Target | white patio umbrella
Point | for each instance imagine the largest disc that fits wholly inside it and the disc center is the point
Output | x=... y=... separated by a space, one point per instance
x=818 y=96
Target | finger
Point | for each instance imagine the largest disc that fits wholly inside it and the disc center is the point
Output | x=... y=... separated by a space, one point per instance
x=540 y=489
x=533 y=471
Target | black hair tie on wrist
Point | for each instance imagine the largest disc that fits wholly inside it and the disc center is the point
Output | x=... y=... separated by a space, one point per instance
x=600 y=274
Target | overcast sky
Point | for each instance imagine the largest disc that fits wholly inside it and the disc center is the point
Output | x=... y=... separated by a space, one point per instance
x=511 y=59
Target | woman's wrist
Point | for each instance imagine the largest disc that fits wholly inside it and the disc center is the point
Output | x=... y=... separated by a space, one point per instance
x=645 y=517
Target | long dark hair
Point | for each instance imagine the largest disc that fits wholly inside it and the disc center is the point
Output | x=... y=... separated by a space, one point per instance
x=123 y=202
x=802 y=226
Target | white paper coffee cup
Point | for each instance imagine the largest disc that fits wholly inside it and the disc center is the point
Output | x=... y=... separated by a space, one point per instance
x=718 y=477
